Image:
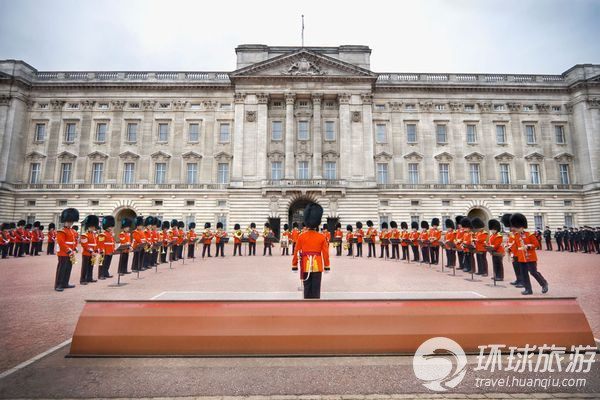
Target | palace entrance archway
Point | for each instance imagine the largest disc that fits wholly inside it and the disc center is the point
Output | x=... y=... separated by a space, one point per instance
x=123 y=213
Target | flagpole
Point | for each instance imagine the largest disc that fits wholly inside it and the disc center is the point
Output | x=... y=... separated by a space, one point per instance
x=302 y=30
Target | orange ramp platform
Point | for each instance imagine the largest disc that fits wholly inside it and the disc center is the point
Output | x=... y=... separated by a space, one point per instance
x=323 y=327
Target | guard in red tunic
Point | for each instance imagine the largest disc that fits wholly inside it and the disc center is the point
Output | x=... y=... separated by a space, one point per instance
x=312 y=252
x=66 y=240
x=89 y=246
x=51 y=238
x=527 y=258
x=5 y=239
x=106 y=246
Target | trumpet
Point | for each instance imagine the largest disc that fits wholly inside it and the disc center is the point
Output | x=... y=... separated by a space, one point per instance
x=148 y=248
x=101 y=259
x=93 y=259
x=346 y=246
x=73 y=258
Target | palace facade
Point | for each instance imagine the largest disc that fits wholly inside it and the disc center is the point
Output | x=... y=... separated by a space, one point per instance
x=298 y=124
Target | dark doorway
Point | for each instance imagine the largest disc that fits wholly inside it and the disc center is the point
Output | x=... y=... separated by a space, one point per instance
x=331 y=223
x=123 y=213
x=296 y=211
x=479 y=213
x=275 y=224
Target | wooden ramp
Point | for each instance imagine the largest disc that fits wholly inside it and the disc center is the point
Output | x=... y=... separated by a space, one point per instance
x=323 y=327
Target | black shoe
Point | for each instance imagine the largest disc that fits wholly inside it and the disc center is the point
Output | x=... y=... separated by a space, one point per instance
x=83 y=283
x=93 y=281
x=520 y=285
x=526 y=292
x=69 y=287
x=101 y=278
x=127 y=272
x=484 y=274
x=58 y=289
x=545 y=288
x=514 y=283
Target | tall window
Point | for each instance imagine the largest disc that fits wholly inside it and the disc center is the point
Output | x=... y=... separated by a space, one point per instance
x=444 y=176
x=303 y=130
x=474 y=173
x=382 y=173
x=500 y=134
x=163 y=132
x=330 y=170
x=411 y=133
x=101 y=132
x=538 y=221
x=329 y=130
x=65 y=172
x=276 y=170
x=559 y=132
x=223 y=173
x=97 y=170
x=70 y=132
x=277 y=130
x=441 y=134
x=380 y=134
x=504 y=174
x=132 y=132
x=160 y=173
x=565 y=179
x=530 y=133
x=194 y=132
x=192 y=173
x=534 y=170
x=128 y=173
x=303 y=170
x=413 y=173
x=34 y=173
x=224 y=133
x=40 y=132
x=222 y=218
x=415 y=218
x=568 y=220
x=471 y=134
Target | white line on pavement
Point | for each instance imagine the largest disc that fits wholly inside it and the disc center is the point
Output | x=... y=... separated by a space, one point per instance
x=34 y=359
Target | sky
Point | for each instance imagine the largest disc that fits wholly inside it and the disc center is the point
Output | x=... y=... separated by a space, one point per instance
x=507 y=36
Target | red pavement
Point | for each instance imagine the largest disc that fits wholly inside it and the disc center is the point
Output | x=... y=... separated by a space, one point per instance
x=34 y=318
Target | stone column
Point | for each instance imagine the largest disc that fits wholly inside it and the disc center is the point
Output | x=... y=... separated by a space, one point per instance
x=317 y=137
x=369 y=151
x=111 y=165
x=289 y=135
x=146 y=142
x=238 y=139
x=263 y=134
x=345 y=136
x=86 y=138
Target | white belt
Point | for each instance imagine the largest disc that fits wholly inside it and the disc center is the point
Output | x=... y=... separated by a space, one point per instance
x=69 y=242
x=109 y=242
x=92 y=245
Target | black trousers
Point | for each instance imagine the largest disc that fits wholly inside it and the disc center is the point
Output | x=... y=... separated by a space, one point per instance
x=395 y=251
x=205 y=249
x=103 y=270
x=251 y=248
x=267 y=246
x=530 y=268
x=482 y=264
x=415 y=250
x=425 y=254
x=498 y=267
x=87 y=269
x=237 y=249
x=451 y=256
x=285 y=251
x=135 y=264
x=384 y=249
x=405 y=253
x=548 y=244
x=518 y=271
x=50 y=248
x=123 y=259
x=163 y=254
x=358 y=249
x=312 y=286
x=559 y=245
x=63 y=272
x=338 y=249
x=350 y=245
x=191 y=248
x=220 y=249
x=468 y=262
x=434 y=253
x=372 y=247
x=461 y=259
x=4 y=250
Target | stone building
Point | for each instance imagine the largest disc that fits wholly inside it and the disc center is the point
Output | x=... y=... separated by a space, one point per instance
x=298 y=124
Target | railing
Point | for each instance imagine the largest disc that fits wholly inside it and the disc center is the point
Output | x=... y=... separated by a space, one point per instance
x=489 y=186
x=399 y=78
x=305 y=183
x=134 y=76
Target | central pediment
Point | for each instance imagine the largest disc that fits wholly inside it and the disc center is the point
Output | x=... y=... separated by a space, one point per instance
x=304 y=64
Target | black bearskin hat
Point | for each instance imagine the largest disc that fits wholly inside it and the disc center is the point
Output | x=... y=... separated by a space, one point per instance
x=465 y=222
x=435 y=222
x=13 y=225
x=206 y=225
x=384 y=225
x=358 y=225
x=393 y=224
x=139 y=221
x=91 y=220
x=157 y=222
x=312 y=215
x=125 y=222
x=219 y=225
x=506 y=220
x=192 y=225
x=338 y=226
x=369 y=223
x=51 y=225
x=267 y=225
x=286 y=227
x=28 y=226
x=252 y=225
x=494 y=225
x=108 y=221
x=149 y=221
x=518 y=220
x=403 y=225
x=349 y=228
x=67 y=215
x=181 y=224
x=75 y=228
x=41 y=227
x=22 y=221
x=424 y=225
x=5 y=226
x=37 y=224
x=174 y=223
x=477 y=223
x=458 y=219
x=414 y=225
x=165 y=225
x=294 y=224
x=237 y=226
x=325 y=227
x=449 y=223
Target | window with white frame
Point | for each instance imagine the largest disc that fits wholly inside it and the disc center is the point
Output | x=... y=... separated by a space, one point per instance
x=97 y=172
x=40 y=132
x=194 y=132
x=441 y=133
x=276 y=170
x=160 y=173
x=129 y=173
x=223 y=173
x=65 y=172
x=192 y=173
x=276 y=130
x=538 y=221
x=329 y=130
x=534 y=170
x=474 y=173
x=224 y=133
x=34 y=173
x=101 y=132
x=530 y=133
x=500 y=134
x=222 y=218
x=380 y=133
x=568 y=220
x=565 y=178
x=330 y=170
x=303 y=130
x=303 y=172
x=163 y=132
x=413 y=173
x=411 y=133
x=444 y=173
x=70 y=132
x=471 y=134
x=414 y=218
x=505 y=174
x=132 y=132
x=382 y=173
x=559 y=133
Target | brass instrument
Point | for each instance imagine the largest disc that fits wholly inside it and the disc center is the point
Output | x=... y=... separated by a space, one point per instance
x=101 y=259
x=73 y=258
x=93 y=259
x=346 y=246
